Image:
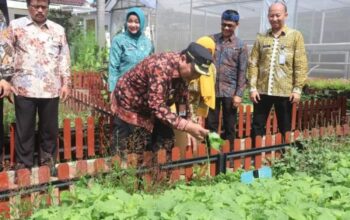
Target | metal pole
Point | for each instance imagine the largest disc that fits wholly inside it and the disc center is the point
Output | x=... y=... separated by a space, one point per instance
x=101 y=37
x=205 y=22
x=191 y=21
x=295 y=20
x=322 y=26
x=221 y=163
x=312 y=27
x=156 y=29
x=347 y=65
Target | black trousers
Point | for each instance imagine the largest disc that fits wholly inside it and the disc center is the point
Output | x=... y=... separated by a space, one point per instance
x=283 y=109
x=26 y=110
x=229 y=118
x=2 y=136
x=134 y=139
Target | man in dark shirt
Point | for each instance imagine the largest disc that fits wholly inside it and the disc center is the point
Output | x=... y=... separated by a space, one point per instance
x=231 y=57
x=143 y=96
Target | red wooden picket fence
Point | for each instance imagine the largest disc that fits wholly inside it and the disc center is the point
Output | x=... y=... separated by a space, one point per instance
x=68 y=171
x=92 y=138
x=305 y=115
x=91 y=83
x=75 y=143
x=82 y=101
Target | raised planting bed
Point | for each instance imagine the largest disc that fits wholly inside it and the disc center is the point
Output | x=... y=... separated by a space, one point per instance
x=309 y=184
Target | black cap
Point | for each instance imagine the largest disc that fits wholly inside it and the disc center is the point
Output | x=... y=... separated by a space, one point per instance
x=200 y=56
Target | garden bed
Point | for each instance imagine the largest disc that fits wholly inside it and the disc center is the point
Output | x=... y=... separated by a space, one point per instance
x=312 y=184
x=327 y=87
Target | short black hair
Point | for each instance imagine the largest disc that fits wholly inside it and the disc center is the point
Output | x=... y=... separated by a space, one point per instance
x=232 y=13
x=28 y=2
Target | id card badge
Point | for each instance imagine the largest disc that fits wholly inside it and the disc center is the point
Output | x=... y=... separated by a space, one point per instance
x=282 y=58
x=182 y=110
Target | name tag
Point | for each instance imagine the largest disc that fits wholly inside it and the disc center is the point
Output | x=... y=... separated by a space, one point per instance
x=182 y=110
x=282 y=58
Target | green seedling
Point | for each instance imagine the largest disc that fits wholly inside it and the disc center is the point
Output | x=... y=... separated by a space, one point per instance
x=215 y=141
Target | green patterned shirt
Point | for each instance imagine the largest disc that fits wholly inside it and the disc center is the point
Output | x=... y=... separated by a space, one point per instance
x=278 y=65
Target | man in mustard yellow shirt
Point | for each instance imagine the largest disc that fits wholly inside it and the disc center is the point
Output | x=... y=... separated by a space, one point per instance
x=277 y=70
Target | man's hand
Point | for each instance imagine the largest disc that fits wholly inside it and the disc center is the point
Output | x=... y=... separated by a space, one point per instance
x=196 y=131
x=5 y=88
x=65 y=91
x=236 y=101
x=294 y=97
x=254 y=96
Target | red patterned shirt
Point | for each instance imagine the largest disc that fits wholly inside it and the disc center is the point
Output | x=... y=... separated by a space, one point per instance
x=40 y=57
x=149 y=89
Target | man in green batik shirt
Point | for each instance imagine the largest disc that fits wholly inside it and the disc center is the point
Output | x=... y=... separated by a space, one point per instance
x=277 y=71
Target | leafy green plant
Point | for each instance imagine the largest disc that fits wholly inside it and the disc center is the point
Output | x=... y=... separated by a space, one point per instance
x=86 y=55
x=66 y=20
x=246 y=98
x=309 y=191
x=215 y=141
x=313 y=159
x=331 y=84
x=126 y=179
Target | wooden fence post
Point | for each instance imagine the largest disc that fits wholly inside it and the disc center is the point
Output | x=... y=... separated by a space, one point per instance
x=188 y=169
x=175 y=172
x=247 y=159
x=4 y=204
x=258 y=157
x=240 y=121
x=79 y=138
x=12 y=144
x=248 y=122
x=236 y=148
x=67 y=139
x=91 y=136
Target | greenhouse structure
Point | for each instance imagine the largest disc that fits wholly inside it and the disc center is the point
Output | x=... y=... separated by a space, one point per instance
x=323 y=23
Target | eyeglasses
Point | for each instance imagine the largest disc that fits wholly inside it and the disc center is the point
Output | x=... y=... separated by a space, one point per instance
x=227 y=25
x=37 y=7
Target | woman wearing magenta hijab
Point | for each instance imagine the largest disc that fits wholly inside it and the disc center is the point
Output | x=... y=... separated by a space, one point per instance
x=128 y=48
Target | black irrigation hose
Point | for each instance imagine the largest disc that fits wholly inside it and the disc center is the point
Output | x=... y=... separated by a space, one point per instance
x=36 y=188
x=250 y=152
x=92 y=106
x=220 y=159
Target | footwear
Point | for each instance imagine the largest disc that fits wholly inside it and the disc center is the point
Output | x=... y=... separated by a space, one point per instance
x=53 y=171
x=51 y=164
x=19 y=166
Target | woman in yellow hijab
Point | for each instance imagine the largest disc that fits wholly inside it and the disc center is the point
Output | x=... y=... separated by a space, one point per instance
x=202 y=97
x=202 y=90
